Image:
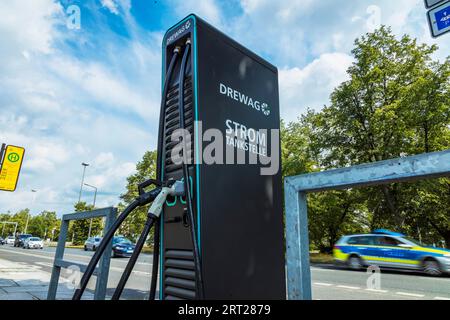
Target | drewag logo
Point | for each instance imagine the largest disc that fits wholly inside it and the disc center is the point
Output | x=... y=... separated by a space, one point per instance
x=182 y=29
x=244 y=99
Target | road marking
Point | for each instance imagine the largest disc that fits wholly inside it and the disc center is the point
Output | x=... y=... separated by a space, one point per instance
x=28 y=254
x=134 y=271
x=349 y=287
x=52 y=258
x=410 y=294
x=324 y=270
x=323 y=284
x=44 y=255
x=441 y=298
x=45 y=264
x=377 y=290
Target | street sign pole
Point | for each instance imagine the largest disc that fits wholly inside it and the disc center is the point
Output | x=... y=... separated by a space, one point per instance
x=2 y=151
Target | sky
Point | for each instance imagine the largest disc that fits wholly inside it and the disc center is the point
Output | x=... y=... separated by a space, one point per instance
x=90 y=92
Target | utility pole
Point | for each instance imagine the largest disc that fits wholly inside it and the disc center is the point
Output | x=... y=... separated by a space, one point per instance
x=82 y=179
x=95 y=197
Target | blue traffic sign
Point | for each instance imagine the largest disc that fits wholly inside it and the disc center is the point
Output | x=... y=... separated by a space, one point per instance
x=439 y=19
x=443 y=18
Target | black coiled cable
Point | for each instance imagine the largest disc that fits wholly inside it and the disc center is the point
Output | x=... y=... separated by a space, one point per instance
x=197 y=259
x=137 y=203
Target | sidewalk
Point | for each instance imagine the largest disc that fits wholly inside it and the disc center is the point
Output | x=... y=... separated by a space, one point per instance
x=21 y=281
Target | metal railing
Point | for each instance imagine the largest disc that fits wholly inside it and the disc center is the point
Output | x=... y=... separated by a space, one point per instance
x=102 y=271
x=429 y=165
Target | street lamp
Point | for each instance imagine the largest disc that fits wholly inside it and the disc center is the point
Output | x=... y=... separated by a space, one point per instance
x=82 y=178
x=29 y=213
x=95 y=197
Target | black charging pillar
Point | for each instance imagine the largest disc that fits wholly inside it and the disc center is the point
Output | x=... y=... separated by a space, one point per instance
x=239 y=219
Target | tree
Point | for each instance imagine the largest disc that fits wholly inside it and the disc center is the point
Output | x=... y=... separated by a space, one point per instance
x=7 y=229
x=79 y=229
x=21 y=218
x=43 y=224
x=145 y=169
x=395 y=103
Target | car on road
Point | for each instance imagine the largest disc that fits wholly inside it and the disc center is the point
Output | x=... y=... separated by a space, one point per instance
x=10 y=240
x=33 y=243
x=20 y=239
x=384 y=248
x=2 y=241
x=92 y=243
x=122 y=247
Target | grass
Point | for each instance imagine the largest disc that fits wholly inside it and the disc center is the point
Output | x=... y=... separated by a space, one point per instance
x=315 y=257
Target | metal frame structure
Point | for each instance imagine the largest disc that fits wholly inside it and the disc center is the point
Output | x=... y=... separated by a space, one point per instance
x=429 y=165
x=102 y=271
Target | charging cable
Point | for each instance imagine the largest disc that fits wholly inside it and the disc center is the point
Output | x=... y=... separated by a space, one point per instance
x=197 y=258
x=143 y=199
x=177 y=189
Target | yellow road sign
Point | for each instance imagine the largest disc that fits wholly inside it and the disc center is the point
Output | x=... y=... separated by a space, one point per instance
x=12 y=163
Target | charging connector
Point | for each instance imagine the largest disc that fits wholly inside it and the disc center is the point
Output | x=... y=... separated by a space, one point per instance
x=177 y=189
x=154 y=212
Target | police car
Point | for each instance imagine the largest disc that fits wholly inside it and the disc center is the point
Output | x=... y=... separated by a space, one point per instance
x=389 y=249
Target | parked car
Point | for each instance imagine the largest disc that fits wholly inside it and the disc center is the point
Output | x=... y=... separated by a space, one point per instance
x=385 y=248
x=122 y=247
x=10 y=240
x=92 y=243
x=2 y=241
x=33 y=243
x=20 y=239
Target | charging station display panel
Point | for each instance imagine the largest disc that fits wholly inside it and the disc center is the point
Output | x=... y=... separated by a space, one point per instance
x=241 y=213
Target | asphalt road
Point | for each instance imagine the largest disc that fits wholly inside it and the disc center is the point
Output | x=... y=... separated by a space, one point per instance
x=336 y=283
x=328 y=282
x=137 y=286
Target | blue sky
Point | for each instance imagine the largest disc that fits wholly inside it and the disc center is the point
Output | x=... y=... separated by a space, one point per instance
x=91 y=95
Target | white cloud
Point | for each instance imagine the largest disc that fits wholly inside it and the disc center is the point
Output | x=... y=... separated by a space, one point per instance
x=65 y=109
x=311 y=86
x=28 y=25
x=111 y=5
x=291 y=33
x=310 y=41
x=102 y=86
x=206 y=9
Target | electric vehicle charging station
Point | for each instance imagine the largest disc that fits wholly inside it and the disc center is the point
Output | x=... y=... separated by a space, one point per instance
x=219 y=230
x=238 y=213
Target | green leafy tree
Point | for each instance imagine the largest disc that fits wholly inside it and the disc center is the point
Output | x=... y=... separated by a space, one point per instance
x=79 y=229
x=21 y=218
x=395 y=103
x=43 y=224
x=7 y=229
x=145 y=169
